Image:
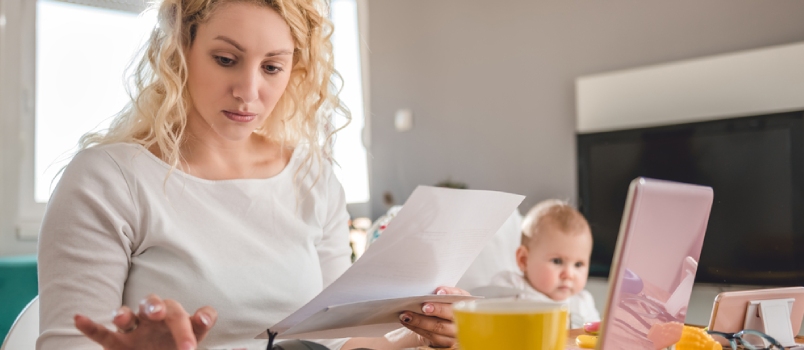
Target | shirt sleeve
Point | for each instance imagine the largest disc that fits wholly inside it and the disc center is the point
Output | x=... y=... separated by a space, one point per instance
x=84 y=249
x=334 y=252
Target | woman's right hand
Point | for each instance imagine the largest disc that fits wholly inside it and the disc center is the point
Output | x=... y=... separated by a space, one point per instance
x=159 y=324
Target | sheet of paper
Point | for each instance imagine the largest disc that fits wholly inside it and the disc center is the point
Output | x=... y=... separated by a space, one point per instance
x=430 y=243
x=363 y=319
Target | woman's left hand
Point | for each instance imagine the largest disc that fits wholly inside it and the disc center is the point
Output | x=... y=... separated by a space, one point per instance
x=433 y=326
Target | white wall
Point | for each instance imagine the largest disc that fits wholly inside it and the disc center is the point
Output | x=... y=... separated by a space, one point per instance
x=752 y=82
x=492 y=84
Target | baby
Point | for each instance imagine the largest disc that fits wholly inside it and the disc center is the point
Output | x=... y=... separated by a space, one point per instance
x=554 y=260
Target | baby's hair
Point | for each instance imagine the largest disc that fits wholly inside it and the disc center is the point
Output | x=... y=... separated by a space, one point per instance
x=552 y=214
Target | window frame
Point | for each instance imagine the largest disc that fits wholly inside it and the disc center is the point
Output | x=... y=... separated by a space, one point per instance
x=30 y=212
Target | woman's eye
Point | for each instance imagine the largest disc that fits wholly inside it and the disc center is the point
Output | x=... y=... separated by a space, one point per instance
x=224 y=61
x=557 y=261
x=272 y=69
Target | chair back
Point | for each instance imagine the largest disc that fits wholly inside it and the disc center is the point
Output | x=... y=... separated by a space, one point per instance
x=25 y=330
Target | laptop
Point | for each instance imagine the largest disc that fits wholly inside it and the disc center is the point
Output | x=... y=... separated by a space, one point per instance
x=652 y=274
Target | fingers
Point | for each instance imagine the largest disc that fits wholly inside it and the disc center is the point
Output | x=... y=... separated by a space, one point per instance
x=202 y=321
x=435 y=323
x=178 y=321
x=427 y=326
x=156 y=321
x=175 y=318
x=152 y=308
x=125 y=319
x=433 y=339
x=450 y=291
x=96 y=332
x=440 y=310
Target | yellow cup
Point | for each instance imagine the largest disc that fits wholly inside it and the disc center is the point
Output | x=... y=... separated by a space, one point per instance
x=511 y=324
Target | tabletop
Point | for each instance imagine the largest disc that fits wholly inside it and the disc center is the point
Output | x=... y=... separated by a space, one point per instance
x=576 y=332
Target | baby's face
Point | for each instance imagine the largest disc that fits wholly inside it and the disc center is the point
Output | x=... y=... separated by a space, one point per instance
x=557 y=264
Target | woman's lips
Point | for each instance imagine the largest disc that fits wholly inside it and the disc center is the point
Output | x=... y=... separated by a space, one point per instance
x=240 y=116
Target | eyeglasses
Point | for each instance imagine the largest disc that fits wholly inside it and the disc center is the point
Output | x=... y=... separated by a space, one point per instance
x=753 y=338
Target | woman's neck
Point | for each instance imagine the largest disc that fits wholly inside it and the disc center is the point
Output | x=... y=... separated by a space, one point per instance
x=209 y=156
x=253 y=158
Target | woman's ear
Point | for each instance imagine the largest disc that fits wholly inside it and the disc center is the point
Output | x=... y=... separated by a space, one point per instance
x=522 y=257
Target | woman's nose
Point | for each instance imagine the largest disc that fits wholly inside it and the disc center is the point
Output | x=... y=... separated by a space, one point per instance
x=247 y=86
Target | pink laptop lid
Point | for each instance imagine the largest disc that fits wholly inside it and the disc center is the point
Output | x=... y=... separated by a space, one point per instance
x=655 y=261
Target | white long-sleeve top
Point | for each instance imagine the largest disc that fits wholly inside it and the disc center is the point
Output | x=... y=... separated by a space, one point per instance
x=581 y=306
x=120 y=225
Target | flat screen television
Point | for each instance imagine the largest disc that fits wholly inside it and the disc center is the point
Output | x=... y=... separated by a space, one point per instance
x=755 y=166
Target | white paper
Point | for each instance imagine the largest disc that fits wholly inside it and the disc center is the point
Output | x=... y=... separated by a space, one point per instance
x=430 y=243
x=363 y=319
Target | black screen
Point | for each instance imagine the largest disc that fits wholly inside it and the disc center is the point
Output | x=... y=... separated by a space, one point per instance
x=754 y=165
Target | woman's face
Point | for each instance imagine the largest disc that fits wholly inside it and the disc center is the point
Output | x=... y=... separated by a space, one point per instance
x=238 y=67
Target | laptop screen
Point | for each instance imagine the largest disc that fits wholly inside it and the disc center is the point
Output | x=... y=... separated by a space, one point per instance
x=657 y=253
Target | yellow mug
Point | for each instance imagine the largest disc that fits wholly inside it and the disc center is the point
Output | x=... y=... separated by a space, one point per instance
x=511 y=324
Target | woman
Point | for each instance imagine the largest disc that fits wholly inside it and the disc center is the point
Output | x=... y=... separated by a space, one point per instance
x=211 y=190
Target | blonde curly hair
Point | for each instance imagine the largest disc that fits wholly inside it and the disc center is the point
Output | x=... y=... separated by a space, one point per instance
x=157 y=113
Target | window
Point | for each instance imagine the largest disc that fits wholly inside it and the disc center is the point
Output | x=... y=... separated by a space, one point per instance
x=352 y=168
x=81 y=56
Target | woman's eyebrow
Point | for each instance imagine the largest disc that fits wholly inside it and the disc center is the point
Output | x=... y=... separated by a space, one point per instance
x=241 y=49
x=231 y=42
x=278 y=53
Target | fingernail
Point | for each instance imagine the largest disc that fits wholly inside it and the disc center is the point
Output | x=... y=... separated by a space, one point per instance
x=152 y=309
x=116 y=313
x=441 y=292
x=187 y=346
x=205 y=319
x=404 y=318
x=428 y=308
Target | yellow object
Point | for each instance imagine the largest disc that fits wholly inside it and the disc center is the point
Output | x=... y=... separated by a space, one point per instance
x=586 y=341
x=511 y=324
x=694 y=338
